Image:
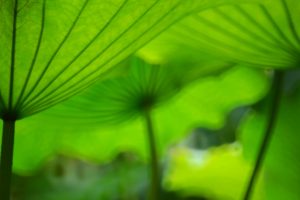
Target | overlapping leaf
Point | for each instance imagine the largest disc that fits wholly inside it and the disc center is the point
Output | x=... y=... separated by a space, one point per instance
x=182 y=57
x=50 y=50
x=265 y=35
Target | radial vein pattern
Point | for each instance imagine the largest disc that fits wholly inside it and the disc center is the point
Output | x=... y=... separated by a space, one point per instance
x=51 y=50
x=265 y=34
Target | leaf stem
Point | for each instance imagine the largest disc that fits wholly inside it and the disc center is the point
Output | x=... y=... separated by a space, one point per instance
x=155 y=178
x=275 y=95
x=6 y=158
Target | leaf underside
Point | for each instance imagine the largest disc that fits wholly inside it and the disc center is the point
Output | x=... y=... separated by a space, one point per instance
x=51 y=50
x=264 y=35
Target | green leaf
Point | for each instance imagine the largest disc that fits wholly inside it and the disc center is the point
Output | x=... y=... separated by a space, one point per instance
x=53 y=49
x=265 y=35
x=106 y=119
x=281 y=166
x=181 y=56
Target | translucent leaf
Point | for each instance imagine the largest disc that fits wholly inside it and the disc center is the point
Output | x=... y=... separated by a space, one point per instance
x=265 y=35
x=53 y=49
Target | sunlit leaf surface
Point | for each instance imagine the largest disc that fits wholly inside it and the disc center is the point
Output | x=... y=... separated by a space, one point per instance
x=264 y=35
x=182 y=56
x=52 y=49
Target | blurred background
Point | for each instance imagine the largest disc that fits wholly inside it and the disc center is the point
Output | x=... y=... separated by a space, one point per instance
x=205 y=164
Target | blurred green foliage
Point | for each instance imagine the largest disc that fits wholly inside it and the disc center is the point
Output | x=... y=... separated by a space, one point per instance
x=194 y=76
x=105 y=119
x=281 y=169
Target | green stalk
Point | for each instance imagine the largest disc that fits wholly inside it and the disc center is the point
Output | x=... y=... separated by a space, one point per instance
x=155 y=178
x=6 y=158
x=275 y=95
